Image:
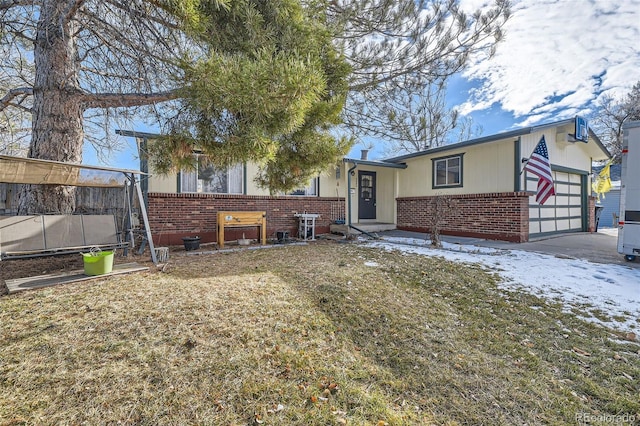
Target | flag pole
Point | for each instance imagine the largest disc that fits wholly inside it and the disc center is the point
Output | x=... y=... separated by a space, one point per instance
x=526 y=160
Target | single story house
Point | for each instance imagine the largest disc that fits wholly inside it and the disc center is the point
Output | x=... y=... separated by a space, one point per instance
x=492 y=197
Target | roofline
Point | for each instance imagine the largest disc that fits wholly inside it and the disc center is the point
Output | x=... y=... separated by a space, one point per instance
x=80 y=166
x=631 y=124
x=136 y=134
x=595 y=137
x=598 y=142
x=378 y=163
x=497 y=137
x=485 y=139
x=392 y=162
x=375 y=163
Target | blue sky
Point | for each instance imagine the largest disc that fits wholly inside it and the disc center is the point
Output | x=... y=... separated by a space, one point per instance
x=557 y=59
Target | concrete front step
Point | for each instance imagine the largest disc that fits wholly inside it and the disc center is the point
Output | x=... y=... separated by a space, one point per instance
x=367 y=227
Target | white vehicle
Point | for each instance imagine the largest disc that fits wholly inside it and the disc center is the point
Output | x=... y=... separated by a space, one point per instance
x=629 y=224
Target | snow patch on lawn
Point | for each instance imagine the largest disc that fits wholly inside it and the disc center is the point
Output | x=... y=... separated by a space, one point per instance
x=612 y=292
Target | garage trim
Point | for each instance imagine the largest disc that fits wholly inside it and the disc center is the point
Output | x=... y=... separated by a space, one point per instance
x=572 y=198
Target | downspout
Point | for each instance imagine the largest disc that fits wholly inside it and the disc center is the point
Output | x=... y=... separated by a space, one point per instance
x=349 y=224
x=517 y=163
x=349 y=193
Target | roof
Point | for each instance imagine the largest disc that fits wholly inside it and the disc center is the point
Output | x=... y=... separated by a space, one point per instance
x=631 y=124
x=136 y=134
x=375 y=163
x=378 y=163
x=495 y=138
x=394 y=162
x=36 y=171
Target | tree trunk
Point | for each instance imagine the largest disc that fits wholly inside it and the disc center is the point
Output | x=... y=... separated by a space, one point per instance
x=57 y=125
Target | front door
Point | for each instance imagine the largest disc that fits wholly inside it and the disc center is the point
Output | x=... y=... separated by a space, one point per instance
x=367 y=195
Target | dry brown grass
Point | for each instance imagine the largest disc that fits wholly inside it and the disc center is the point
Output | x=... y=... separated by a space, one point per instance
x=306 y=335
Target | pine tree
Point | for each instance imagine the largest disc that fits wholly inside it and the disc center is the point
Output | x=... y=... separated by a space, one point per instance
x=238 y=75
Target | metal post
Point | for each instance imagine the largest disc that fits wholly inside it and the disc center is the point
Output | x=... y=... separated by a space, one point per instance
x=143 y=210
x=129 y=223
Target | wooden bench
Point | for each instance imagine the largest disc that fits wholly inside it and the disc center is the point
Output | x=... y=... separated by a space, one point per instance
x=241 y=219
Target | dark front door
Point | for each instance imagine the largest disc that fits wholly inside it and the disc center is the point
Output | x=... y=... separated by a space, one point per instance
x=367 y=195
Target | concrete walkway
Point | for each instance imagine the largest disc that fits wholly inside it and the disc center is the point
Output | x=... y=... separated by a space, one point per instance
x=599 y=247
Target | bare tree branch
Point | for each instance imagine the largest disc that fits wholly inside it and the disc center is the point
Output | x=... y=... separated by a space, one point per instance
x=12 y=94
x=125 y=6
x=398 y=49
x=125 y=100
x=611 y=114
x=7 y=4
x=72 y=9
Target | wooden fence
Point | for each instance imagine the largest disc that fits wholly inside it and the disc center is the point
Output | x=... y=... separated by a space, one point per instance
x=89 y=200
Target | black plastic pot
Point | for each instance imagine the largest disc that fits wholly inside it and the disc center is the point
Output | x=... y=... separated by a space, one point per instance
x=191 y=243
x=282 y=236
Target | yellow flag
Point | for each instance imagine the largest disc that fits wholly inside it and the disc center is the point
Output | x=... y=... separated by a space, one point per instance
x=602 y=182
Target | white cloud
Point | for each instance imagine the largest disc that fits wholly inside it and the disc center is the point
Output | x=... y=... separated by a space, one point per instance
x=558 y=57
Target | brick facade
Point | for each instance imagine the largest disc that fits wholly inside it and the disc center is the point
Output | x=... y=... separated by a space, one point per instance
x=591 y=215
x=173 y=216
x=495 y=216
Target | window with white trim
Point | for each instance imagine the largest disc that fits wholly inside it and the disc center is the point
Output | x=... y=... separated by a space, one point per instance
x=310 y=190
x=207 y=179
x=447 y=171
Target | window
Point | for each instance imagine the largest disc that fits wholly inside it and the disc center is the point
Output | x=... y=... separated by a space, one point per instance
x=310 y=190
x=447 y=171
x=207 y=179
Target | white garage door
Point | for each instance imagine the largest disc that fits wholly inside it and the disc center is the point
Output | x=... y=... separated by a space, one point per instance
x=562 y=212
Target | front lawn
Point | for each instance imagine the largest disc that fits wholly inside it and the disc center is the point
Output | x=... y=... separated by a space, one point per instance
x=307 y=335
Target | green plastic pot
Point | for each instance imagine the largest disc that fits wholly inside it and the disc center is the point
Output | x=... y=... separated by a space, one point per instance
x=98 y=263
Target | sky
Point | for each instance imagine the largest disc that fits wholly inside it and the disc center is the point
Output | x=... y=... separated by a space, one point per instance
x=557 y=59
x=591 y=287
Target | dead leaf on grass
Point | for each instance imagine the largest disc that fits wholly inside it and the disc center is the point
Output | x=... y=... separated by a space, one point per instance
x=286 y=372
x=275 y=409
x=527 y=343
x=581 y=351
x=627 y=376
x=619 y=358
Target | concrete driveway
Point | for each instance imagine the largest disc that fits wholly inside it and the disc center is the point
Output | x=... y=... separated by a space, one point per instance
x=599 y=247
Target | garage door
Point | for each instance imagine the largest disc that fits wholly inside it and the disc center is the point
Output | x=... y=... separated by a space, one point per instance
x=562 y=212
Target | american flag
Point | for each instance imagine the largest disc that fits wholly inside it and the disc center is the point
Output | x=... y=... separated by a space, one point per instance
x=539 y=165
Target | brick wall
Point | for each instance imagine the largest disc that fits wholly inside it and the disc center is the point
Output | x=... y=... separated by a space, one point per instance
x=591 y=215
x=497 y=216
x=173 y=216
